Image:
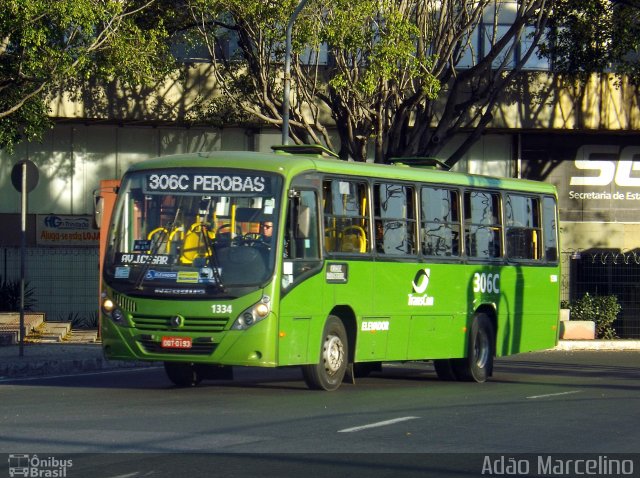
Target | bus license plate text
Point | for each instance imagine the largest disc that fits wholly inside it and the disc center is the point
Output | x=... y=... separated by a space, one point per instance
x=176 y=342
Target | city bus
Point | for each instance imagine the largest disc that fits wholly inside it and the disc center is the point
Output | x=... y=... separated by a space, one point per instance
x=297 y=258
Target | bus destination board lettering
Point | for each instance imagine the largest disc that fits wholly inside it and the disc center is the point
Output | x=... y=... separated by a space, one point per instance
x=206 y=183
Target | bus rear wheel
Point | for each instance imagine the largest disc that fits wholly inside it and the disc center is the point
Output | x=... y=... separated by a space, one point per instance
x=478 y=365
x=334 y=352
x=182 y=374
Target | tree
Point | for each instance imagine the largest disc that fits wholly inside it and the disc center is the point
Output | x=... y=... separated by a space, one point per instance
x=405 y=76
x=595 y=36
x=48 y=46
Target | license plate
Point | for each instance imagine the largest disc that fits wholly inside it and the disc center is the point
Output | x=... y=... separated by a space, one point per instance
x=176 y=342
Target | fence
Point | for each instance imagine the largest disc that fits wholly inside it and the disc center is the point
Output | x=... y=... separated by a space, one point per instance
x=64 y=281
x=606 y=272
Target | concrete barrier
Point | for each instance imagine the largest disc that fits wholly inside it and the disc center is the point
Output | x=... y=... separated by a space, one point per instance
x=577 y=330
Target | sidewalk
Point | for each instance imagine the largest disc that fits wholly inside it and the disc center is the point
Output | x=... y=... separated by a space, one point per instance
x=42 y=359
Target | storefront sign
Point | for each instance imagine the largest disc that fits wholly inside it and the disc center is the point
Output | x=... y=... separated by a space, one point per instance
x=597 y=179
x=66 y=230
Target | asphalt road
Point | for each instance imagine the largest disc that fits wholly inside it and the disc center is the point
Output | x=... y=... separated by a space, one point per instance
x=536 y=404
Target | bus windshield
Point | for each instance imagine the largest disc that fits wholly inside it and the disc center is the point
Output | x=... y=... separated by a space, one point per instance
x=193 y=232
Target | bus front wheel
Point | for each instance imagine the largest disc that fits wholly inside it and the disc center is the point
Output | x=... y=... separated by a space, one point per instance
x=334 y=353
x=182 y=374
x=478 y=365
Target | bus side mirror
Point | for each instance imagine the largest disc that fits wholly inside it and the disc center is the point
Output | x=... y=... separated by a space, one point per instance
x=304 y=222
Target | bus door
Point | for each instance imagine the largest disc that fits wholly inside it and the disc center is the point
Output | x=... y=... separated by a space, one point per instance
x=302 y=285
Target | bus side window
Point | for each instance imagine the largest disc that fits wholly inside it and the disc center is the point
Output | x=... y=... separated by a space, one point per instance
x=346 y=223
x=440 y=222
x=523 y=231
x=395 y=219
x=301 y=233
x=483 y=228
x=550 y=231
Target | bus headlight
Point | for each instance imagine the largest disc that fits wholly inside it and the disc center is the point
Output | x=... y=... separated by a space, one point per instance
x=117 y=316
x=108 y=305
x=111 y=310
x=253 y=314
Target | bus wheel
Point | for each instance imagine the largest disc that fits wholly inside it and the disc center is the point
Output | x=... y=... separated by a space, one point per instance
x=182 y=374
x=334 y=353
x=445 y=369
x=478 y=365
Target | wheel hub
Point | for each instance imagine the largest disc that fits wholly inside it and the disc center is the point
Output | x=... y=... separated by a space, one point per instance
x=333 y=354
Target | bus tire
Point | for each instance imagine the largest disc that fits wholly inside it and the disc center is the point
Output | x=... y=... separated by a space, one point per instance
x=478 y=365
x=445 y=369
x=182 y=374
x=329 y=372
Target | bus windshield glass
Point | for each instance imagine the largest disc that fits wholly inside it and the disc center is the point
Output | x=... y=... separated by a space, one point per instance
x=193 y=232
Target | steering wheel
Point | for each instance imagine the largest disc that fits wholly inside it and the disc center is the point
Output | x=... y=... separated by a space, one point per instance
x=254 y=239
x=251 y=237
x=226 y=229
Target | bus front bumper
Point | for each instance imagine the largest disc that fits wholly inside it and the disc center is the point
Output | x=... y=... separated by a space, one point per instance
x=249 y=347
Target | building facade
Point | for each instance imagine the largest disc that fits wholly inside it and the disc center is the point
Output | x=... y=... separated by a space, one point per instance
x=582 y=139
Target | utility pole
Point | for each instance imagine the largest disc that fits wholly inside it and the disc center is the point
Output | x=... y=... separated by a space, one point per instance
x=24 y=177
x=287 y=73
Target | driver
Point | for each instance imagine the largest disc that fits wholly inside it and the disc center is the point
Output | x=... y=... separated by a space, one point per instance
x=266 y=231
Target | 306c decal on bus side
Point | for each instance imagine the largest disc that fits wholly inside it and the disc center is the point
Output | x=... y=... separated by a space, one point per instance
x=486 y=283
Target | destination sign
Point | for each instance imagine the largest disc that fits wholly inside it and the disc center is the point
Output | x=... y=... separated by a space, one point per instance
x=206 y=183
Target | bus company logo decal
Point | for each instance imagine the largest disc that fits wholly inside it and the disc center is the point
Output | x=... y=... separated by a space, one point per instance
x=420 y=283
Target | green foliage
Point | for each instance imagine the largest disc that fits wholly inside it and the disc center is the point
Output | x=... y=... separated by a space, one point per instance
x=587 y=36
x=78 y=320
x=48 y=46
x=375 y=37
x=603 y=310
x=10 y=296
x=393 y=78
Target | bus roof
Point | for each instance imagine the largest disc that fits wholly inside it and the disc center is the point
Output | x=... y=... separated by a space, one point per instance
x=293 y=164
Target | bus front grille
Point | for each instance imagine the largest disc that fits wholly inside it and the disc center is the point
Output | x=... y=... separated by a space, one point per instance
x=125 y=302
x=190 y=324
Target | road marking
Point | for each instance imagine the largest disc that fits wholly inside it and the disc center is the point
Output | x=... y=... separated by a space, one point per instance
x=555 y=394
x=377 y=424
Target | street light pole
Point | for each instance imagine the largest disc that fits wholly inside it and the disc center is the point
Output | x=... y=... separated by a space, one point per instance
x=287 y=73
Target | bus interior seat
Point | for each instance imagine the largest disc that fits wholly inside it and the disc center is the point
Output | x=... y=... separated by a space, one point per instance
x=350 y=239
x=194 y=244
x=354 y=239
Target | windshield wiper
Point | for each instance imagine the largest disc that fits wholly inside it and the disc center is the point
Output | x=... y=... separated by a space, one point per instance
x=210 y=253
x=153 y=253
x=155 y=247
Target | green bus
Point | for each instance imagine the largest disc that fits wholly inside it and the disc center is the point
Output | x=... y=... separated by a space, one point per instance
x=296 y=258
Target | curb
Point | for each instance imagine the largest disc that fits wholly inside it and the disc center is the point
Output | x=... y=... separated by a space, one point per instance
x=62 y=367
x=617 y=345
x=58 y=359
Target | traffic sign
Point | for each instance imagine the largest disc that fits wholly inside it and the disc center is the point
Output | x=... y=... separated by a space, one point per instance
x=32 y=175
